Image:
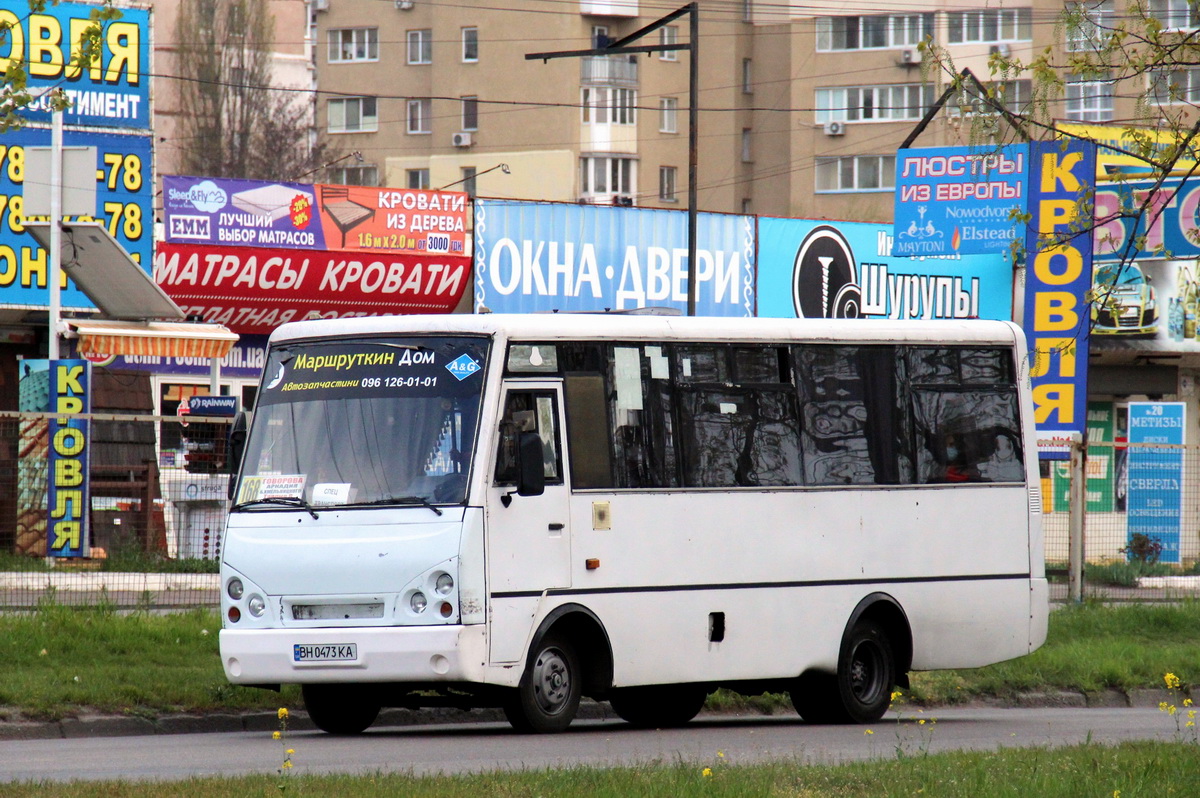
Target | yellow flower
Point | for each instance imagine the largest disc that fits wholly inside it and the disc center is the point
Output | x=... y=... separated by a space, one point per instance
x=1171 y=711
x=921 y=722
x=868 y=731
x=1116 y=794
x=706 y=773
x=287 y=765
x=1187 y=702
x=1162 y=706
x=283 y=713
x=276 y=736
x=896 y=694
x=721 y=754
x=1190 y=724
x=290 y=751
x=1172 y=681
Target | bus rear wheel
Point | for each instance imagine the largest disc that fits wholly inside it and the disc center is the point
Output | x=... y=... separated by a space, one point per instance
x=548 y=696
x=340 y=708
x=658 y=706
x=861 y=691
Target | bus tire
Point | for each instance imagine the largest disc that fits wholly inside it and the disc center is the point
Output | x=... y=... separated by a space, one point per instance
x=548 y=696
x=658 y=706
x=340 y=708
x=815 y=698
x=866 y=673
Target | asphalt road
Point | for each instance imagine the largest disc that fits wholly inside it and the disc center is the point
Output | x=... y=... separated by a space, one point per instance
x=468 y=747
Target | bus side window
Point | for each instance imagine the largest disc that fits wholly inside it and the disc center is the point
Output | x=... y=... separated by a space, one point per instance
x=527 y=411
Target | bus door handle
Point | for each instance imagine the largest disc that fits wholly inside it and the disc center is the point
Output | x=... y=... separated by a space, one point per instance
x=555 y=527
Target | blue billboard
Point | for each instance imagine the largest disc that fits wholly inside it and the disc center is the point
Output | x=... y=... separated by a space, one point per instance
x=124 y=193
x=1058 y=277
x=538 y=257
x=112 y=91
x=959 y=199
x=1154 y=506
x=819 y=269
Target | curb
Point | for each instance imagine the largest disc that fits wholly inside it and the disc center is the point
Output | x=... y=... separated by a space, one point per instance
x=128 y=726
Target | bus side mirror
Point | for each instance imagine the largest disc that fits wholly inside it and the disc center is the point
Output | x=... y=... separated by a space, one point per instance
x=531 y=472
x=237 y=447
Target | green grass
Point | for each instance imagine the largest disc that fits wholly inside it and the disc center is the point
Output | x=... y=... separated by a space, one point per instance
x=60 y=661
x=1131 y=770
x=120 y=560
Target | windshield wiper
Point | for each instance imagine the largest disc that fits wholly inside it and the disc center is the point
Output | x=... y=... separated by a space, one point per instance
x=421 y=500
x=286 y=501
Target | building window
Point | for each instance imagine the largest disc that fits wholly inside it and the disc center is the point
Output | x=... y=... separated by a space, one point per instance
x=747 y=77
x=419 y=114
x=666 y=183
x=468 y=180
x=470 y=113
x=1175 y=86
x=1089 y=100
x=854 y=103
x=470 y=45
x=747 y=155
x=602 y=106
x=353 y=44
x=603 y=175
x=1015 y=95
x=420 y=46
x=668 y=108
x=1175 y=14
x=874 y=32
x=1092 y=23
x=990 y=25
x=600 y=36
x=747 y=10
x=354 y=176
x=856 y=173
x=669 y=34
x=417 y=178
x=353 y=115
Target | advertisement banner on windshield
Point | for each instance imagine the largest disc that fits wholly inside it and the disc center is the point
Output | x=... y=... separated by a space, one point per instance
x=824 y=270
x=252 y=290
x=542 y=257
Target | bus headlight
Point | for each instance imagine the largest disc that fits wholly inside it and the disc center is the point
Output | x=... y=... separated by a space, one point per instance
x=418 y=602
x=445 y=583
x=256 y=605
x=235 y=588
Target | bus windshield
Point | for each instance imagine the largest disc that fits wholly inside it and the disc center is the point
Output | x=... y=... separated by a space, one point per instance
x=364 y=422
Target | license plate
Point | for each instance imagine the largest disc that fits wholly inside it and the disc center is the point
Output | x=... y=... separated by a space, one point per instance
x=324 y=652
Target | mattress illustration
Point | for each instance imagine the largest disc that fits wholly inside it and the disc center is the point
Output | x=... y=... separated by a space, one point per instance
x=273 y=202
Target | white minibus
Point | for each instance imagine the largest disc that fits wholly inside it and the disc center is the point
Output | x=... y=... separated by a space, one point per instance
x=519 y=511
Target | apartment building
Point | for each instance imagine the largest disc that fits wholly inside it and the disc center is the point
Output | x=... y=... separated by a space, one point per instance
x=801 y=114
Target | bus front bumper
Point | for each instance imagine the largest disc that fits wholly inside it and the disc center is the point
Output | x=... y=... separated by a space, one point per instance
x=375 y=654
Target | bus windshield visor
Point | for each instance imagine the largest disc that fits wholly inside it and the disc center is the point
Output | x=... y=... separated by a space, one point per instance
x=384 y=421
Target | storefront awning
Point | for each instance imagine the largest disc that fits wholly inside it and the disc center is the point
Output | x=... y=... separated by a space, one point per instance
x=162 y=338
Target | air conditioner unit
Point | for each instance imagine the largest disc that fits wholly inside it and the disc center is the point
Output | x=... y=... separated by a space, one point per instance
x=461 y=140
x=404 y=5
x=909 y=57
x=835 y=128
x=320 y=5
x=999 y=49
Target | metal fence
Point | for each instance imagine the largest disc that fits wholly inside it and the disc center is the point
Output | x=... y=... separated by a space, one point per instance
x=159 y=498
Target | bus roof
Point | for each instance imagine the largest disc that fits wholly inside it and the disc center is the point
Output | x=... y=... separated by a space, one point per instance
x=619 y=326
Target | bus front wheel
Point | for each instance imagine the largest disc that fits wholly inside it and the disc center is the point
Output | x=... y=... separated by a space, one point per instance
x=340 y=708
x=548 y=696
x=659 y=706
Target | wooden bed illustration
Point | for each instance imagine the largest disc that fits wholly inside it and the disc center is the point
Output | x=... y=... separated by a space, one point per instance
x=345 y=212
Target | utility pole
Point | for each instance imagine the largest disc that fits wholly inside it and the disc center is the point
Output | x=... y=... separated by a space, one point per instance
x=622 y=45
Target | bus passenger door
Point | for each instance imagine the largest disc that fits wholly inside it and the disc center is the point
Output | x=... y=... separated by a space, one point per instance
x=529 y=541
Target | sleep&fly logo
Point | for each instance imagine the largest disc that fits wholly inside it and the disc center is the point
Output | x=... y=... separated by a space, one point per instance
x=462 y=367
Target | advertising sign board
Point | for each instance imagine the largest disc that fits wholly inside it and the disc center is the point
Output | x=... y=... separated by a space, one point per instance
x=959 y=199
x=818 y=269
x=113 y=91
x=540 y=257
x=254 y=290
x=1154 y=503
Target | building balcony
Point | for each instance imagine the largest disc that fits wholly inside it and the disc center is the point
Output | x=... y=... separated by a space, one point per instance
x=609 y=70
x=609 y=8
